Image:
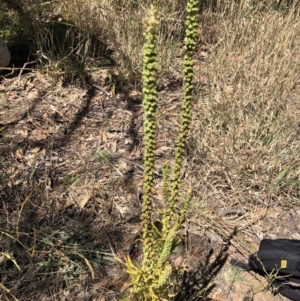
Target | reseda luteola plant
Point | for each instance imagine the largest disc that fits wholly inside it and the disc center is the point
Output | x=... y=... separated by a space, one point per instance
x=151 y=280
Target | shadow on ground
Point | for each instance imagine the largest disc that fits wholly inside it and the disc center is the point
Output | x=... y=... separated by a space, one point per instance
x=196 y=284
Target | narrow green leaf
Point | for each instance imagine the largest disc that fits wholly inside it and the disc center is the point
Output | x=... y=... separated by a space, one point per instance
x=282 y=174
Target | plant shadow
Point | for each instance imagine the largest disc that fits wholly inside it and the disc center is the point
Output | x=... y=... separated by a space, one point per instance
x=196 y=284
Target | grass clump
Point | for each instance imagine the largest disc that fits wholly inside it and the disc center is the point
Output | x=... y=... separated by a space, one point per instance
x=249 y=113
x=72 y=39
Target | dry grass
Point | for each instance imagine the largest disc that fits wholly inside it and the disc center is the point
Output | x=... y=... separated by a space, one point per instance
x=246 y=122
x=75 y=36
x=242 y=152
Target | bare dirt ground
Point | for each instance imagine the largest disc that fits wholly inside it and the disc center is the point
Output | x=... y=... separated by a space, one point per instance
x=70 y=190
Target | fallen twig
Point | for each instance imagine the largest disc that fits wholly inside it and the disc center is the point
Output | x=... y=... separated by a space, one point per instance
x=102 y=89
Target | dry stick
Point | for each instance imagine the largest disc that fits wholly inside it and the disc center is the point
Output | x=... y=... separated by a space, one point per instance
x=22 y=69
x=7 y=81
x=102 y=89
x=81 y=108
x=221 y=211
x=139 y=166
x=13 y=69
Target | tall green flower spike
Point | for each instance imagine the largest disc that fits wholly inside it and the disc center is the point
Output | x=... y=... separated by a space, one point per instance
x=150 y=105
x=151 y=280
x=190 y=41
